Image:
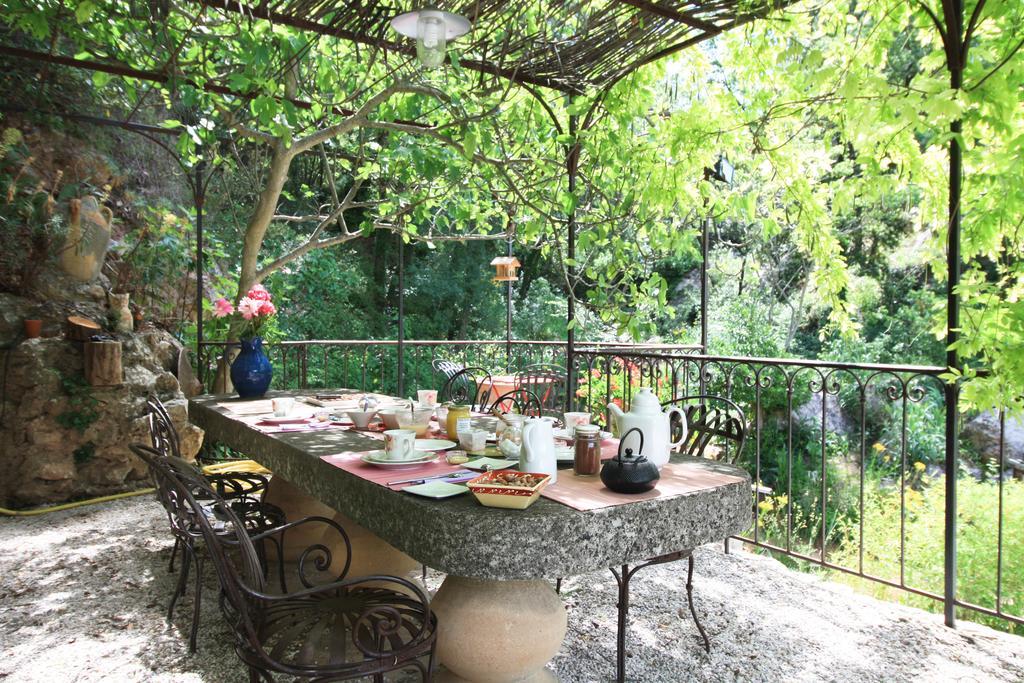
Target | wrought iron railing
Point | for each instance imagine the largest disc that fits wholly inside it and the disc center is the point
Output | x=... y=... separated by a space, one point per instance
x=829 y=446
x=372 y=365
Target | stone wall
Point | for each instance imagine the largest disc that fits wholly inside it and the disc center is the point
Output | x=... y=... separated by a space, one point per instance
x=48 y=453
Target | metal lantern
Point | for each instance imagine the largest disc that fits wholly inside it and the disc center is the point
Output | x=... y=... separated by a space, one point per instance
x=505 y=268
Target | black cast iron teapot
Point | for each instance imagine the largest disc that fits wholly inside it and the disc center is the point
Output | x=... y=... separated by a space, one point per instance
x=628 y=473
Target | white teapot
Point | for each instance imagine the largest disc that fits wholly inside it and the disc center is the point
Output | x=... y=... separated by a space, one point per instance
x=646 y=415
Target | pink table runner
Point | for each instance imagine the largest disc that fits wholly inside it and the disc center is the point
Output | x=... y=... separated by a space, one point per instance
x=588 y=493
x=352 y=463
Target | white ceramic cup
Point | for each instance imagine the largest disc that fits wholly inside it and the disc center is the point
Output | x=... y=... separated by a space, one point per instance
x=282 y=406
x=427 y=397
x=473 y=440
x=574 y=419
x=399 y=444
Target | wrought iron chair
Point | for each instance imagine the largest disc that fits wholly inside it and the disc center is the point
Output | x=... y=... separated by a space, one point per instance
x=472 y=386
x=520 y=401
x=237 y=487
x=717 y=428
x=447 y=368
x=549 y=382
x=328 y=627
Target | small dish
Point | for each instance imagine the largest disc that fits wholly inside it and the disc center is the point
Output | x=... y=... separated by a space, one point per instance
x=436 y=489
x=285 y=420
x=486 y=464
x=380 y=459
x=490 y=493
x=433 y=444
x=456 y=457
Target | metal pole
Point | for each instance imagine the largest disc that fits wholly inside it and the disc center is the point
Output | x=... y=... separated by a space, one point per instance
x=199 y=197
x=955 y=61
x=705 y=231
x=401 y=316
x=704 y=285
x=572 y=163
x=508 y=316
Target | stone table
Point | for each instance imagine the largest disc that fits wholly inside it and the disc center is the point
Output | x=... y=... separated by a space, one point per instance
x=499 y=618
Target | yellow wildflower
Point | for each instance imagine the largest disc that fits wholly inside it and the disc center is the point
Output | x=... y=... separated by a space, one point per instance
x=879 y=447
x=919 y=466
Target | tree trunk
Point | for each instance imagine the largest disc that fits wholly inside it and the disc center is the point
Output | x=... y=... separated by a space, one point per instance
x=103 y=363
x=256 y=230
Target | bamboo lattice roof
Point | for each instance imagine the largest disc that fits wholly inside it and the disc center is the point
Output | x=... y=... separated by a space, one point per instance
x=578 y=47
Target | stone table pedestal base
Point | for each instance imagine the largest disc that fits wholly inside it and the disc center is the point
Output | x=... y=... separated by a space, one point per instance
x=498 y=631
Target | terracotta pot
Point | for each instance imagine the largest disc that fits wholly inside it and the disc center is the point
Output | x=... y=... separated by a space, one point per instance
x=33 y=328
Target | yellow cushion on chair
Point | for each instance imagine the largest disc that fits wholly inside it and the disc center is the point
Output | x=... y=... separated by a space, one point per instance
x=240 y=467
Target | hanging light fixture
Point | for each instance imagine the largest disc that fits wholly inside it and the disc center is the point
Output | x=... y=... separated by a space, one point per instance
x=432 y=29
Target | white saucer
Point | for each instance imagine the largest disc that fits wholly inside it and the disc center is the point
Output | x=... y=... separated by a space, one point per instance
x=286 y=420
x=377 y=458
x=434 y=444
x=565 y=453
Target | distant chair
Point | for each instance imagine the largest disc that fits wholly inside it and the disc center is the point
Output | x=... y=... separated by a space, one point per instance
x=521 y=401
x=470 y=386
x=322 y=626
x=716 y=428
x=548 y=382
x=447 y=368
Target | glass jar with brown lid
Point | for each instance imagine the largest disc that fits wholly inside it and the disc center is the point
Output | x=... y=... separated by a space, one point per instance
x=587 y=460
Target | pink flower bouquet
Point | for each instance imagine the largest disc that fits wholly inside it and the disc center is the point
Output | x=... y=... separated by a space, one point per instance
x=253 y=311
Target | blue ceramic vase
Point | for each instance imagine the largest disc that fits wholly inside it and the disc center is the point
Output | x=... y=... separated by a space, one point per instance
x=251 y=371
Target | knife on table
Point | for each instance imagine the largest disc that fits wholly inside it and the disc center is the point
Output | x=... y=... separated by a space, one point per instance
x=465 y=475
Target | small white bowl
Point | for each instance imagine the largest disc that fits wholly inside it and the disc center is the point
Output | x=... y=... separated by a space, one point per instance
x=390 y=418
x=361 y=418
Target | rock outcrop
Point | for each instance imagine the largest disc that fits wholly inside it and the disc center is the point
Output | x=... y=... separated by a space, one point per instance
x=62 y=439
x=983 y=431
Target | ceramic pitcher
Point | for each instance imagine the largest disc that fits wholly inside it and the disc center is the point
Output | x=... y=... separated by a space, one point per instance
x=538 y=450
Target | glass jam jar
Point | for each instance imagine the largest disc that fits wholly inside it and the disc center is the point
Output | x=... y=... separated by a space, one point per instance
x=458 y=417
x=587 y=460
x=511 y=440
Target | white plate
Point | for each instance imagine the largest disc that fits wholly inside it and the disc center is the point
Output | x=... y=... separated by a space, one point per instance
x=377 y=458
x=565 y=454
x=286 y=420
x=434 y=444
x=564 y=434
x=436 y=489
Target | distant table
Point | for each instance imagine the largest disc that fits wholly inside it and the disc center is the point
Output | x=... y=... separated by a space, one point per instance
x=499 y=618
x=502 y=384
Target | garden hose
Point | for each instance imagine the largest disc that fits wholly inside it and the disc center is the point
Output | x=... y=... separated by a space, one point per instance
x=77 y=503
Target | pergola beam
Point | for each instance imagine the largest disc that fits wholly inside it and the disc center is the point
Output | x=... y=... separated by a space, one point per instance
x=672 y=14
x=402 y=48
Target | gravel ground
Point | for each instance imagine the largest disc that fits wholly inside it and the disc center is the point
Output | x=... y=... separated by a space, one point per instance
x=83 y=595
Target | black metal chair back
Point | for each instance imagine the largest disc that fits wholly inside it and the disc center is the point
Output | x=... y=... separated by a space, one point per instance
x=161 y=429
x=520 y=401
x=716 y=427
x=548 y=382
x=470 y=386
x=447 y=368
